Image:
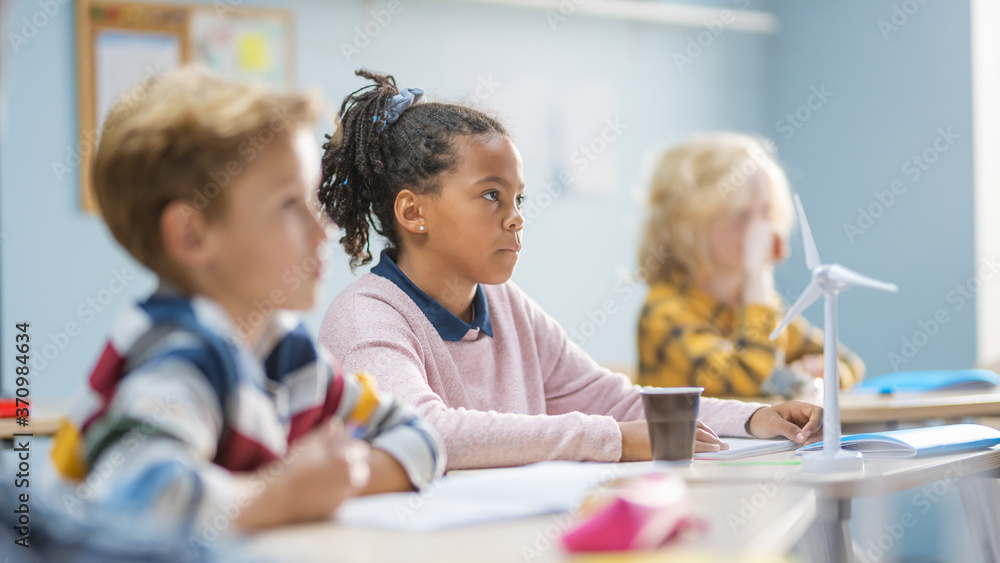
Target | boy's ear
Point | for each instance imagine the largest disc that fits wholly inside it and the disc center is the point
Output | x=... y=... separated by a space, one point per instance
x=409 y=212
x=185 y=234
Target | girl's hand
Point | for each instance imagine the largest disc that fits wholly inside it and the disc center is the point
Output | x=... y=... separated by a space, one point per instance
x=635 y=441
x=636 y=445
x=761 y=246
x=812 y=365
x=781 y=249
x=796 y=420
x=706 y=440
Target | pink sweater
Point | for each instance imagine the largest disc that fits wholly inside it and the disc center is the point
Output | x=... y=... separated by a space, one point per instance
x=524 y=395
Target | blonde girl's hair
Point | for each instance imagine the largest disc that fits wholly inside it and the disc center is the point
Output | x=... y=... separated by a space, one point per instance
x=690 y=185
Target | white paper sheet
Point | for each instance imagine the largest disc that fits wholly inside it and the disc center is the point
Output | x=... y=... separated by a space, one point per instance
x=483 y=496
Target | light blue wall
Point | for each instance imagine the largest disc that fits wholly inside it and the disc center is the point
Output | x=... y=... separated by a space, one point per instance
x=890 y=96
x=54 y=257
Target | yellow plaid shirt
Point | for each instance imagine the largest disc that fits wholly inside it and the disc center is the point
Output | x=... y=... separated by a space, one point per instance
x=687 y=338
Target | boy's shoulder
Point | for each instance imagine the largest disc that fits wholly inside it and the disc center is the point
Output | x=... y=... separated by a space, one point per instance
x=169 y=336
x=193 y=328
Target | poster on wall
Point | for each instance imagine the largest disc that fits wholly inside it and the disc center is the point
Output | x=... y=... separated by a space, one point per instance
x=124 y=59
x=121 y=45
x=251 y=47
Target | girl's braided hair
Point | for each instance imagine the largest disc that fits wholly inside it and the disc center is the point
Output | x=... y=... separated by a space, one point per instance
x=368 y=160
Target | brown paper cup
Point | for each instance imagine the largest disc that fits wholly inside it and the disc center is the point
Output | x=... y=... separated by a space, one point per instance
x=671 y=413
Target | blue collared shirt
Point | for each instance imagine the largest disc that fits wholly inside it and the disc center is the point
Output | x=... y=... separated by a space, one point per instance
x=448 y=326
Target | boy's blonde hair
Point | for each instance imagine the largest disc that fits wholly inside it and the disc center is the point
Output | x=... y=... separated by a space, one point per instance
x=184 y=136
x=691 y=184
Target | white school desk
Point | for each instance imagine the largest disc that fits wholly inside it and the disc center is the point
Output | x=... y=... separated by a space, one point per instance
x=858 y=408
x=975 y=473
x=766 y=534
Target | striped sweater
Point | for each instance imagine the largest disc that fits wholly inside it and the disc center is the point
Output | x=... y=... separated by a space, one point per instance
x=176 y=400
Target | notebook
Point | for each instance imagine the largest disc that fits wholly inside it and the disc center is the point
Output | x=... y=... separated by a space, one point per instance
x=487 y=495
x=747 y=447
x=912 y=442
x=930 y=380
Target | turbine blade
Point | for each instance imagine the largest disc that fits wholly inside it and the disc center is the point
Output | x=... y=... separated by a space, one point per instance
x=840 y=273
x=811 y=294
x=808 y=244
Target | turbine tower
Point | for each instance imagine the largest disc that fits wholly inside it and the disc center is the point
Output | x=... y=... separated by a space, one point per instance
x=828 y=280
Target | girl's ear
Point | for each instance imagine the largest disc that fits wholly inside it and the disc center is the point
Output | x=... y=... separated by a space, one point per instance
x=187 y=240
x=410 y=212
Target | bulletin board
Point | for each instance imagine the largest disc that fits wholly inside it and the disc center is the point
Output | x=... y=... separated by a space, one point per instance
x=121 y=45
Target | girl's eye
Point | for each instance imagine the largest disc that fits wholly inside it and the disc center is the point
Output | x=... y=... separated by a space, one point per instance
x=492 y=196
x=520 y=201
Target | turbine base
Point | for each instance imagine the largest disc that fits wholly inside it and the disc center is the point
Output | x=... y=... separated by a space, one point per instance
x=843 y=460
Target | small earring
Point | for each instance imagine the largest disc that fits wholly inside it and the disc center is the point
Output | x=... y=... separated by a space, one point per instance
x=421 y=227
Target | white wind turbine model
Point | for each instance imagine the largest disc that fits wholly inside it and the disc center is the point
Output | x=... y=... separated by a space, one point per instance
x=828 y=280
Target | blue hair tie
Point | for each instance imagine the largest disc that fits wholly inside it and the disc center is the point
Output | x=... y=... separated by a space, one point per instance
x=400 y=103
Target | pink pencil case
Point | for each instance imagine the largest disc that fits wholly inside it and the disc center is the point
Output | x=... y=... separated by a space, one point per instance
x=637 y=514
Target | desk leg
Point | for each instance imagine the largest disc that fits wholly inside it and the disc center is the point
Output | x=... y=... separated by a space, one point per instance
x=829 y=538
x=981 y=499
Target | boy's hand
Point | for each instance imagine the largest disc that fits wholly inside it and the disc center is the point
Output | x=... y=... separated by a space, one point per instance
x=321 y=471
x=328 y=468
x=387 y=475
x=798 y=421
